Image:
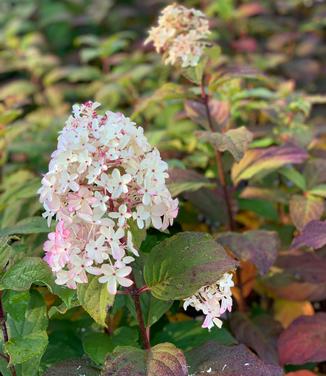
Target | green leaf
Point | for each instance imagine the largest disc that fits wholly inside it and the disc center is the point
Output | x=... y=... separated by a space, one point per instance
x=4 y=370
x=162 y=360
x=294 y=176
x=25 y=272
x=9 y=116
x=34 y=319
x=181 y=180
x=32 y=225
x=195 y=74
x=319 y=190
x=138 y=235
x=167 y=91
x=95 y=299
x=22 y=349
x=189 y=334
x=27 y=321
x=21 y=88
x=98 y=345
x=19 y=186
x=179 y=266
x=6 y=252
x=153 y=309
x=236 y=141
x=15 y=303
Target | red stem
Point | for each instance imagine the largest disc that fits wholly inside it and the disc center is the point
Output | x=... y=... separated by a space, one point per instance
x=219 y=162
x=135 y=294
x=222 y=180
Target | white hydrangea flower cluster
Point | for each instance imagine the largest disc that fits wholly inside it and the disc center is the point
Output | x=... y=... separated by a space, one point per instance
x=213 y=301
x=103 y=174
x=181 y=35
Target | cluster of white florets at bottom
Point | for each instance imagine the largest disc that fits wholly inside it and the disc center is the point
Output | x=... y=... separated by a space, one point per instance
x=213 y=301
x=103 y=175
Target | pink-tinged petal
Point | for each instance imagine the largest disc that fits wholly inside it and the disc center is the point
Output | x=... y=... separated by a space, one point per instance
x=118 y=252
x=208 y=323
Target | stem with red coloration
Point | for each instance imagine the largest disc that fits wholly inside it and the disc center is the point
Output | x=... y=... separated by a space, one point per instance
x=135 y=294
x=222 y=180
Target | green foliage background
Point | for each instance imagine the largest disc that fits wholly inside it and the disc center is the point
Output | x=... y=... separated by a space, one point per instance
x=266 y=73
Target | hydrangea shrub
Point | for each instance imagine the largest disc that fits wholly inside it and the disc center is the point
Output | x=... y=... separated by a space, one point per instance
x=190 y=245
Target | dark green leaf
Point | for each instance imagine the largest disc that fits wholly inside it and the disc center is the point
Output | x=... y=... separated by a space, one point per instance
x=179 y=266
x=189 y=334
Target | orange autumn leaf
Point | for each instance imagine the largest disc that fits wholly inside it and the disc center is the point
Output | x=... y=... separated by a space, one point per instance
x=247 y=274
x=287 y=311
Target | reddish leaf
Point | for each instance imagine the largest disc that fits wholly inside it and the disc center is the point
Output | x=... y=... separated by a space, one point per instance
x=251 y=9
x=245 y=44
x=308 y=267
x=196 y=111
x=162 y=360
x=219 y=113
x=211 y=204
x=304 y=340
x=258 y=246
x=315 y=172
x=304 y=209
x=214 y=359
x=286 y=286
x=313 y=235
x=262 y=161
x=302 y=372
x=235 y=141
x=303 y=277
x=259 y=334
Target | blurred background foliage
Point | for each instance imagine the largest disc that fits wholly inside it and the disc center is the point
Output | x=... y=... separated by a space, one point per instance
x=54 y=53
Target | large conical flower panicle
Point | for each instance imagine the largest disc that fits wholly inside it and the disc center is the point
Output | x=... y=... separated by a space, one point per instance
x=103 y=175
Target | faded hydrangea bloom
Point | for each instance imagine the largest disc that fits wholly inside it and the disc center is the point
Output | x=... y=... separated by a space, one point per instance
x=180 y=35
x=103 y=175
x=213 y=301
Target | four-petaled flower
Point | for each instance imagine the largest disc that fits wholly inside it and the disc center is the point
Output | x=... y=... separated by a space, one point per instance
x=114 y=277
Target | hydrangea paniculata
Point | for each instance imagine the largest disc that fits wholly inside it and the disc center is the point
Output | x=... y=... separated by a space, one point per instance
x=213 y=301
x=181 y=35
x=103 y=175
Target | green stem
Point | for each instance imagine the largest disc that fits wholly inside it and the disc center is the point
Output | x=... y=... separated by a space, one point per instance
x=5 y=335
